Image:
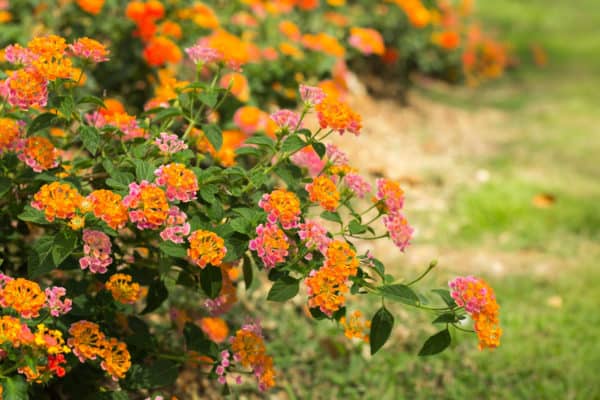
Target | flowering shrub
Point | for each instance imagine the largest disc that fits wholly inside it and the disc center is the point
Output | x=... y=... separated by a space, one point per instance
x=126 y=237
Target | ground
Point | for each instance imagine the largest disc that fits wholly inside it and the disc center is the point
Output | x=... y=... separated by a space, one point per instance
x=502 y=183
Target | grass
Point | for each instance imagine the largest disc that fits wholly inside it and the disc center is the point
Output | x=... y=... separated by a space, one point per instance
x=550 y=320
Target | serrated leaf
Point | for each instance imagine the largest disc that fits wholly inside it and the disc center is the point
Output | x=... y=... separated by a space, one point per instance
x=66 y=107
x=331 y=216
x=381 y=328
x=31 y=214
x=167 y=113
x=436 y=343
x=241 y=225
x=399 y=292
x=144 y=170
x=90 y=138
x=157 y=294
x=214 y=135
x=446 y=318
x=172 y=249
x=92 y=100
x=356 y=227
x=292 y=144
x=40 y=122
x=64 y=244
x=5 y=185
x=14 y=388
x=248 y=151
x=284 y=289
x=208 y=192
x=261 y=141
x=208 y=98
x=211 y=281
x=445 y=296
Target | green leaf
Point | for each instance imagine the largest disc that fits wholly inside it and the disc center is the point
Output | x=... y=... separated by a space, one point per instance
x=5 y=185
x=446 y=318
x=241 y=225
x=331 y=216
x=436 y=343
x=445 y=295
x=208 y=192
x=144 y=170
x=92 y=100
x=214 y=135
x=39 y=261
x=172 y=249
x=158 y=374
x=64 y=244
x=292 y=144
x=34 y=215
x=208 y=98
x=40 y=122
x=196 y=340
x=248 y=151
x=320 y=149
x=399 y=292
x=90 y=138
x=381 y=328
x=284 y=289
x=261 y=141
x=157 y=294
x=67 y=107
x=15 y=388
x=356 y=227
x=248 y=269
x=167 y=113
x=211 y=281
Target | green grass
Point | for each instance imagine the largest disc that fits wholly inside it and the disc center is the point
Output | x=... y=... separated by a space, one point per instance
x=548 y=351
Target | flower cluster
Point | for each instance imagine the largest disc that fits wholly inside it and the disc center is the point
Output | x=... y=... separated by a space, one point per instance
x=249 y=350
x=327 y=285
x=57 y=200
x=206 y=248
x=271 y=244
x=123 y=289
x=147 y=204
x=337 y=115
x=281 y=206
x=322 y=190
x=479 y=300
x=96 y=250
x=108 y=206
x=88 y=342
x=355 y=327
x=181 y=183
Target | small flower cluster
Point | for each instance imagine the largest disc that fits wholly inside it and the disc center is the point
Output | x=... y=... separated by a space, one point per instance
x=249 y=350
x=123 y=289
x=147 y=204
x=391 y=198
x=96 y=250
x=206 y=248
x=281 y=206
x=355 y=327
x=181 y=183
x=271 y=244
x=337 y=115
x=327 y=285
x=479 y=300
x=88 y=342
x=323 y=190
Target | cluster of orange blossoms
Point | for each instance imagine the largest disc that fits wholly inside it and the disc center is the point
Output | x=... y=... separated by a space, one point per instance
x=88 y=343
x=123 y=289
x=206 y=248
x=107 y=206
x=249 y=350
x=57 y=200
x=327 y=285
x=355 y=327
x=479 y=300
x=337 y=115
x=323 y=190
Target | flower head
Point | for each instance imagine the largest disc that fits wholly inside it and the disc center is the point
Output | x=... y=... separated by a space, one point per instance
x=322 y=190
x=309 y=159
x=148 y=205
x=117 y=359
x=367 y=41
x=57 y=305
x=123 y=289
x=249 y=350
x=390 y=193
x=271 y=245
x=38 y=153
x=169 y=143
x=311 y=95
x=479 y=300
x=96 y=250
x=177 y=227
x=108 y=206
x=215 y=328
x=206 y=248
x=400 y=231
x=357 y=184
x=286 y=120
x=26 y=88
x=180 y=182
x=199 y=53
x=314 y=235
x=23 y=296
x=283 y=206
x=9 y=134
x=87 y=340
x=89 y=49
x=57 y=200
x=337 y=115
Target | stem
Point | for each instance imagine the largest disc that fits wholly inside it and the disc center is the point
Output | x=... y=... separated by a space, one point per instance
x=429 y=268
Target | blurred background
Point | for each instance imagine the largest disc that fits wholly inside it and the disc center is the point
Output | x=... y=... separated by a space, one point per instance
x=502 y=182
